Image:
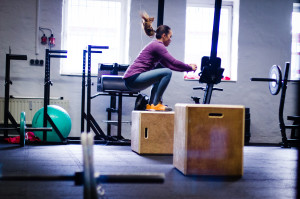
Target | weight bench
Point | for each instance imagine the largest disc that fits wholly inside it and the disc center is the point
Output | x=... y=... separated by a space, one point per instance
x=110 y=82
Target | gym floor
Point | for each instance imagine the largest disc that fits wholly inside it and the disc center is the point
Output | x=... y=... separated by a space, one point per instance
x=269 y=172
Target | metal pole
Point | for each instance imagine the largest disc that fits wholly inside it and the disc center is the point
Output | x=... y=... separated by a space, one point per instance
x=281 y=107
x=215 y=34
x=46 y=92
x=88 y=106
x=214 y=49
x=160 y=14
x=83 y=91
x=6 y=102
x=208 y=93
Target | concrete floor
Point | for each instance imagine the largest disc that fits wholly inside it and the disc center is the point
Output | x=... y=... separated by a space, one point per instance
x=269 y=172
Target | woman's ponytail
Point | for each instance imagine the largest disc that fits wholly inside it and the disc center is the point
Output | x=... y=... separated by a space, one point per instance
x=147 y=24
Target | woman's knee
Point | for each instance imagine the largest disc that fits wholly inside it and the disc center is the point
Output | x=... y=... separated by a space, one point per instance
x=168 y=72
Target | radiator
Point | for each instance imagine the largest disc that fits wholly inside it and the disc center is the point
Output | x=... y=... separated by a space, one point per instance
x=29 y=106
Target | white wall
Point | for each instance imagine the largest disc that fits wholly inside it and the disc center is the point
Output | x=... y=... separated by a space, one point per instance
x=264 y=40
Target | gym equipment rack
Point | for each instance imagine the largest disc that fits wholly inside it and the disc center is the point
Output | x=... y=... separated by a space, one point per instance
x=7 y=114
x=47 y=83
x=277 y=83
x=86 y=100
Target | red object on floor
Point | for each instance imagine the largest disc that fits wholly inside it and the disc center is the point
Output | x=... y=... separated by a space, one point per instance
x=32 y=138
x=13 y=140
x=226 y=78
x=29 y=136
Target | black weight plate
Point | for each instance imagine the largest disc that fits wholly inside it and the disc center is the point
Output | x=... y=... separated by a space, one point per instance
x=275 y=86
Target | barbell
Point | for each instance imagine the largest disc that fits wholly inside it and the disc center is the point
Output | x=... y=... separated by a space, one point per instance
x=88 y=178
x=23 y=129
x=275 y=80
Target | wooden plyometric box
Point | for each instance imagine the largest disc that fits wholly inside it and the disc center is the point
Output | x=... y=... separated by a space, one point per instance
x=209 y=139
x=152 y=132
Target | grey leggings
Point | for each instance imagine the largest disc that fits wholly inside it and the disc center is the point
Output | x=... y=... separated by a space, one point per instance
x=159 y=78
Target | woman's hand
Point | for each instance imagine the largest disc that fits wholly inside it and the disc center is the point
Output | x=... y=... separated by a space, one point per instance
x=194 y=67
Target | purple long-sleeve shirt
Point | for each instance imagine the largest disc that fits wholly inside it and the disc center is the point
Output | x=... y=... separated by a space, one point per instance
x=155 y=52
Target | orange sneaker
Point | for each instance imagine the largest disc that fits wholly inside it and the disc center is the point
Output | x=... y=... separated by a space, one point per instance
x=160 y=107
x=150 y=107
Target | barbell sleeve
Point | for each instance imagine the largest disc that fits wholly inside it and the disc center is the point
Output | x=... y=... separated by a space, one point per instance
x=131 y=178
x=263 y=79
x=38 y=129
x=9 y=128
x=79 y=180
x=29 y=129
x=294 y=81
x=38 y=178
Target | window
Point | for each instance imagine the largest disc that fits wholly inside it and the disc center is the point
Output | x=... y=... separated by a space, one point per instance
x=94 y=22
x=295 y=58
x=199 y=26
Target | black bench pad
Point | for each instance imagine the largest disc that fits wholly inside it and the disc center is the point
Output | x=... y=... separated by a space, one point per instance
x=113 y=83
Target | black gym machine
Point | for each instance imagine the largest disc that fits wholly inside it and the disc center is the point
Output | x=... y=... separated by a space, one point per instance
x=278 y=83
x=106 y=85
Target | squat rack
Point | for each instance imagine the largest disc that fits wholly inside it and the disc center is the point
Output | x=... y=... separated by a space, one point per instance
x=113 y=92
x=90 y=120
x=47 y=83
x=7 y=114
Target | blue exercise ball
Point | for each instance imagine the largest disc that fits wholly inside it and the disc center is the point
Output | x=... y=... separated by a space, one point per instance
x=60 y=118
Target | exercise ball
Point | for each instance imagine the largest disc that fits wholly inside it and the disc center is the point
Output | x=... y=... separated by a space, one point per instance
x=60 y=118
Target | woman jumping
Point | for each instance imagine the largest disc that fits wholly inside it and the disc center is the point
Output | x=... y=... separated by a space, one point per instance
x=153 y=66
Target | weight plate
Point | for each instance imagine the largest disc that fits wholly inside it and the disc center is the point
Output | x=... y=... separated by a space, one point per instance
x=275 y=86
x=22 y=129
